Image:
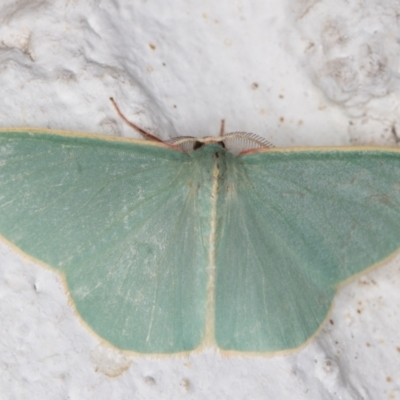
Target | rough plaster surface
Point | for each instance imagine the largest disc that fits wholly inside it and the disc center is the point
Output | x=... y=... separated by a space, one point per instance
x=304 y=72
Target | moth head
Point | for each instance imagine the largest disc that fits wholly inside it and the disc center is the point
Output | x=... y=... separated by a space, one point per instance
x=235 y=142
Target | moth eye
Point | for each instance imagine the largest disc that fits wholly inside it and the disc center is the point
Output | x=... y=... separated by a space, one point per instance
x=197 y=145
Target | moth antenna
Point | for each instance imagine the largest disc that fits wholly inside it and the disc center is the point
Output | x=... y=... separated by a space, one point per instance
x=222 y=128
x=145 y=134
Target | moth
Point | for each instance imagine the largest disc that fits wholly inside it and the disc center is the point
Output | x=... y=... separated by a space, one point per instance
x=167 y=247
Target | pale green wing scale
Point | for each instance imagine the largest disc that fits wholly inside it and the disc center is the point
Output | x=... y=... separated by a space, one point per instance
x=123 y=221
x=164 y=251
x=294 y=225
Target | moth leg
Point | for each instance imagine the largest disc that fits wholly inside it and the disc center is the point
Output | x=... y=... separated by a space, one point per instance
x=145 y=134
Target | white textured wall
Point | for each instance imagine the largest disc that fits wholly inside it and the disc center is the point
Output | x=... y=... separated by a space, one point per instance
x=301 y=72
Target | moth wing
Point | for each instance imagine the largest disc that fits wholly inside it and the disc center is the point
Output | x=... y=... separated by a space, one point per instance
x=293 y=226
x=120 y=221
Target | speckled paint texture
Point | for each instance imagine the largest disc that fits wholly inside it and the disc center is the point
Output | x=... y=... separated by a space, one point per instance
x=298 y=73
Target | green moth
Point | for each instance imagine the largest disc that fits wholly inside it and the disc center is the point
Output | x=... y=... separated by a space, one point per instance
x=165 y=250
